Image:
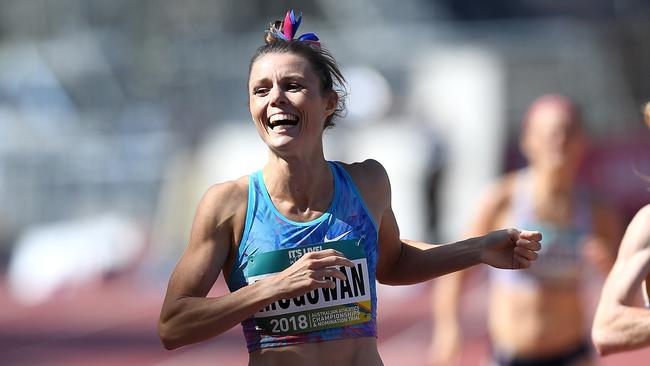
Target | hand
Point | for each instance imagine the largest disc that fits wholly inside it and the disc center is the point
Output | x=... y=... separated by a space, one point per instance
x=309 y=272
x=510 y=248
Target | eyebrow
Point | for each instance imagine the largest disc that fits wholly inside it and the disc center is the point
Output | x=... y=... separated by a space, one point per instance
x=294 y=76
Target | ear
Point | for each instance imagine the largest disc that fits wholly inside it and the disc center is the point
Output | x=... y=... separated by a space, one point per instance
x=331 y=101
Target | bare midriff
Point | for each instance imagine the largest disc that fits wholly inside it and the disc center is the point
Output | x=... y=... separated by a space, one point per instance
x=537 y=321
x=354 y=351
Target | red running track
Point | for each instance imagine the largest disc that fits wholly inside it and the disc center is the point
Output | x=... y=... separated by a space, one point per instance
x=115 y=324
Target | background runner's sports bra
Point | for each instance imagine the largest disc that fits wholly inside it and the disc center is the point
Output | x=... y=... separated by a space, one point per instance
x=271 y=243
x=560 y=261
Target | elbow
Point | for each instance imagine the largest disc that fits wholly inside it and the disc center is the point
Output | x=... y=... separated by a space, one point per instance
x=168 y=344
x=602 y=350
x=391 y=274
x=165 y=334
x=606 y=329
x=388 y=279
x=382 y=277
x=602 y=341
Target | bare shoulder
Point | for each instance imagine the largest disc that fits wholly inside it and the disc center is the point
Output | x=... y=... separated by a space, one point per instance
x=227 y=195
x=223 y=207
x=366 y=173
x=369 y=176
x=371 y=179
x=498 y=196
x=492 y=210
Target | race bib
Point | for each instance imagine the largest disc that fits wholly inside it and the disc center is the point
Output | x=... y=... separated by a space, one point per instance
x=348 y=303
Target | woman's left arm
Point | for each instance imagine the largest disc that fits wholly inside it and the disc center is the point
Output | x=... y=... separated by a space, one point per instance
x=403 y=262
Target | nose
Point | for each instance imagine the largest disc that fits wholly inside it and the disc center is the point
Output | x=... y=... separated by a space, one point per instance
x=277 y=96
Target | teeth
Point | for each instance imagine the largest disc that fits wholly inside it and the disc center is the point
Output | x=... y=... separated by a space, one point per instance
x=282 y=117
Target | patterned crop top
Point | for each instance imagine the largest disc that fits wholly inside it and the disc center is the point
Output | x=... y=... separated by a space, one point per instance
x=560 y=262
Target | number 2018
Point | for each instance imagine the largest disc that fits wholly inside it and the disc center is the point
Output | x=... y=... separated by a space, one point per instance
x=289 y=324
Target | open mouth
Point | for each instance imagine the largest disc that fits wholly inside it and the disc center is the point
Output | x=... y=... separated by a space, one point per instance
x=281 y=119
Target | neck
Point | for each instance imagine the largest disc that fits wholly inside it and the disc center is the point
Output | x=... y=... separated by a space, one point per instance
x=301 y=182
x=552 y=185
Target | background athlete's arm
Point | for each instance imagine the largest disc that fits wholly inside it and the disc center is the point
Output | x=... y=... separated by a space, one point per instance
x=187 y=315
x=446 y=338
x=620 y=324
x=602 y=245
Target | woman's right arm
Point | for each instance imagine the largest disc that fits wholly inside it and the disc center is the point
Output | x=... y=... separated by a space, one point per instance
x=187 y=315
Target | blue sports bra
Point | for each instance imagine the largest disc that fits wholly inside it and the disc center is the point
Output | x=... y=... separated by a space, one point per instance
x=271 y=242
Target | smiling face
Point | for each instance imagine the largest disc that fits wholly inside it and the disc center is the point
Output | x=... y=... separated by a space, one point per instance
x=287 y=103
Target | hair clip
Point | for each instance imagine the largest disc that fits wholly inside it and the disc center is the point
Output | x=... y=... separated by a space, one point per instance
x=286 y=30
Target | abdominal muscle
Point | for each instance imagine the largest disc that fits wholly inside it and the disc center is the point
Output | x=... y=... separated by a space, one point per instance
x=354 y=351
x=533 y=322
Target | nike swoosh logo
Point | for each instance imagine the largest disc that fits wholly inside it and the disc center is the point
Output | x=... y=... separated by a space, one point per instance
x=337 y=238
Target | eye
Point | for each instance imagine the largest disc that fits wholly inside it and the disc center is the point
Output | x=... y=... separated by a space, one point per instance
x=294 y=87
x=261 y=91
